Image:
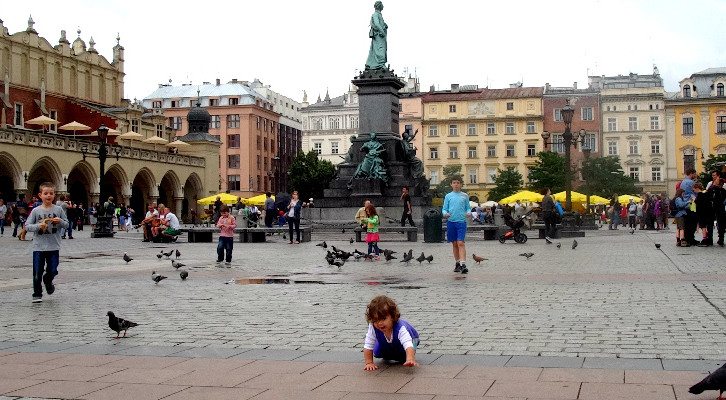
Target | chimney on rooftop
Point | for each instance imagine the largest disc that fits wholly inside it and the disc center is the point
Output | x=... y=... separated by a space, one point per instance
x=454 y=87
x=574 y=85
x=217 y=81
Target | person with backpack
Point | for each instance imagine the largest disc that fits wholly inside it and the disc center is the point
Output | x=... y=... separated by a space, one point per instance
x=681 y=202
x=632 y=213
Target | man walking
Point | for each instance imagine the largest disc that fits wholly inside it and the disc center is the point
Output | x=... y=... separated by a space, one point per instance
x=690 y=220
x=407 y=208
x=455 y=210
x=270 y=210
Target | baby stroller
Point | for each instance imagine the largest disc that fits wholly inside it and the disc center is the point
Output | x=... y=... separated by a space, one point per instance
x=514 y=232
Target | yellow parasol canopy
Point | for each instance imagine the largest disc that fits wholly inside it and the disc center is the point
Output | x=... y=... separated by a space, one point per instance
x=41 y=120
x=595 y=199
x=256 y=200
x=155 y=140
x=131 y=135
x=625 y=199
x=178 y=144
x=575 y=196
x=74 y=126
x=226 y=198
x=524 y=195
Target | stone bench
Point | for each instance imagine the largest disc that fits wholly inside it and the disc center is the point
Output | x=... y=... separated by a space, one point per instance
x=246 y=235
x=541 y=229
x=490 y=230
x=410 y=231
x=199 y=234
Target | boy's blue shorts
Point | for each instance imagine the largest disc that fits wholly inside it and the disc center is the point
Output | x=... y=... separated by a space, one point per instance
x=455 y=231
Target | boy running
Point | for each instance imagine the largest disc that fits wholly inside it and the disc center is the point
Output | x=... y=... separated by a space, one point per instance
x=455 y=210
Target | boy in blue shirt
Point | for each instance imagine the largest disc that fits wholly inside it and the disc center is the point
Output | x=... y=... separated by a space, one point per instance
x=456 y=209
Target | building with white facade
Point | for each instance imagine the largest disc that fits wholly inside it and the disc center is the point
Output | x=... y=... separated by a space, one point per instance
x=329 y=124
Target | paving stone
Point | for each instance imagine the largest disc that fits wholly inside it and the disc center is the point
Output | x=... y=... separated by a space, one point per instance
x=546 y=362
x=291 y=393
x=45 y=347
x=76 y=373
x=664 y=377
x=499 y=373
x=8 y=385
x=210 y=352
x=4 y=345
x=297 y=381
x=272 y=354
x=152 y=351
x=60 y=389
x=210 y=377
x=365 y=384
x=332 y=356
x=95 y=348
x=610 y=391
x=493 y=361
x=214 y=393
x=456 y=387
x=541 y=390
x=124 y=391
x=623 y=363
x=146 y=362
x=18 y=371
x=393 y=396
x=691 y=365
x=582 y=375
x=143 y=375
x=218 y=364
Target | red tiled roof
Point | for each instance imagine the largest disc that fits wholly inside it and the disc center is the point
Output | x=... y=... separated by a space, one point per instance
x=485 y=94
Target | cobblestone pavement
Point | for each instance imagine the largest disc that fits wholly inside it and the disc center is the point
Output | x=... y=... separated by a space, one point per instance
x=616 y=295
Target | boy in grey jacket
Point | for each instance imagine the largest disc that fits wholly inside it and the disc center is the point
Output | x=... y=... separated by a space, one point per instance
x=46 y=222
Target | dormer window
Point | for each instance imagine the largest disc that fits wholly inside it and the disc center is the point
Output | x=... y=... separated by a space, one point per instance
x=687 y=91
x=719 y=90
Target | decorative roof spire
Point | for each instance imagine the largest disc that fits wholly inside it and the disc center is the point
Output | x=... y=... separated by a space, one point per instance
x=91 y=43
x=199 y=101
x=63 y=39
x=318 y=98
x=118 y=39
x=30 y=25
x=305 y=96
x=79 y=32
x=327 y=96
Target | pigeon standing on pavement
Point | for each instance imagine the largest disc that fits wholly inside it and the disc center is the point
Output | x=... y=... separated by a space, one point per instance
x=527 y=255
x=657 y=246
x=159 y=256
x=559 y=245
x=421 y=258
x=119 y=324
x=715 y=381
x=178 y=253
x=156 y=277
x=183 y=275
x=632 y=231
x=323 y=245
x=388 y=256
x=177 y=265
x=167 y=255
x=478 y=259
x=430 y=258
x=351 y=241
x=574 y=244
x=127 y=258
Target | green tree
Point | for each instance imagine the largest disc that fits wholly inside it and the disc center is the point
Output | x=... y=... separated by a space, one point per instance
x=709 y=165
x=443 y=187
x=507 y=182
x=603 y=176
x=309 y=175
x=549 y=171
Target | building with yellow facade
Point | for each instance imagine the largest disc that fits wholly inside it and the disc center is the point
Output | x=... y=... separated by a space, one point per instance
x=696 y=119
x=482 y=130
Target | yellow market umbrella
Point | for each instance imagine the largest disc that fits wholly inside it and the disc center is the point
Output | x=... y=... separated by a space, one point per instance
x=256 y=200
x=226 y=198
x=131 y=135
x=575 y=197
x=179 y=145
x=595 y=199
x=74 y=126
x=625 y=199
x=524 y=195
x=42 y=120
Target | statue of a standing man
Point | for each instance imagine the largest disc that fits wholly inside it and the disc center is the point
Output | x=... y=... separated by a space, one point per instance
x=377 y=55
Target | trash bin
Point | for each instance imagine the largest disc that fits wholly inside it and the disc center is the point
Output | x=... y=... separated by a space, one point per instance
x=432 y=226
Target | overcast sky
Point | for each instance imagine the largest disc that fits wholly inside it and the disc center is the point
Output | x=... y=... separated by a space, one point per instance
x=297 y=45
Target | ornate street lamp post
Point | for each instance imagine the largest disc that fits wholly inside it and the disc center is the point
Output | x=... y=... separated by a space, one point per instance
x=103 y=227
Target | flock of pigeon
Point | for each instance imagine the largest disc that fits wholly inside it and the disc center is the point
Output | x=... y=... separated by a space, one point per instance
x=337 y=257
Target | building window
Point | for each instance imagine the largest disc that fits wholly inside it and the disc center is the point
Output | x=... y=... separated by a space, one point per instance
x=453 y=130
x=510 y=106
x=233 y=121
x=472 y=152
x=213 y=102
x=612 y=124
x=453 y=152
x=633 y=147
x=608 y=108
x=156 y=104
x=491 y=174
x=434 y=177
x=174 y=103
x=586 y=113
x=719 y=90
x=688 y=125
x=612 y=147
x=629 y=108
x=452 y=108
x=655 y=174
x=558 y=114
x=135 y=125
x=635 y=107
x=334 y=123
x=175 y=122
x=233 y=161
x=233 y=182
x=590 y=142
x=259 y=143
x=686 y=91
x=655 y=146
x=53 y=114
x=530 y=127
x=264 y=143
x=472 y=176
x=160 y=130
x=354 y=122
x=233 y=101
x=233 y=141
x=491 y=128
x=471 y=130
x=434 y=130
x=510 y=150
x=408 y=127
x=689 y=162
x=635 y=173
x=509 y=128
x=334 y=146
x=654 y=123
x=316 y=122
x=318 y=147
x=215 y=122
x=558 y=144
x=721 y=124
x=491 y=150
x=615 y=108
x=433 y=153
x=633 y=123
x=259 y=162
x=531 y=150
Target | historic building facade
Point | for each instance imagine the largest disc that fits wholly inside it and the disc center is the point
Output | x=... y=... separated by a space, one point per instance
x=697 y=119
x=329 y=124
x=411 y=113
x=73 y=82
x=482 y=130
x=244 y=121
x=634 y=127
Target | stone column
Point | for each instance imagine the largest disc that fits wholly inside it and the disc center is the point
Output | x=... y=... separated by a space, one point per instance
x=177 y=206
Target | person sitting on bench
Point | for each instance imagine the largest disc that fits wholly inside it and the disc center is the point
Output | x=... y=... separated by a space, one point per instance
x=171 y=222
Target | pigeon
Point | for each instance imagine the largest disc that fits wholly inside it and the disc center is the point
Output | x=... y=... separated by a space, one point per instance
x=430 y=258
x=407 y=257
x=127 y=258
x=388 y=256
x=559 y=245
x=548 y=240
x=421 y=258
x=177 y=265
x=632 y=231
x=342 y=230
x=338 y=263
x=351 y=241
x=410 y=254
x=156 y=277
x=330 y=258
x=178 y=253
x=284 y=236
x=167 y=255
x=119 y=324
x=715 y=381
x=387 y=253
x=159 y=256
x=574 y=244
x=183 y=275
x=344 y=255
x=323 y=245
x=527 y=255
x=478 y=259
x=657 y=246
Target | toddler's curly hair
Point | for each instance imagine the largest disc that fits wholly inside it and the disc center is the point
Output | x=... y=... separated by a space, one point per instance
x=381 y=307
